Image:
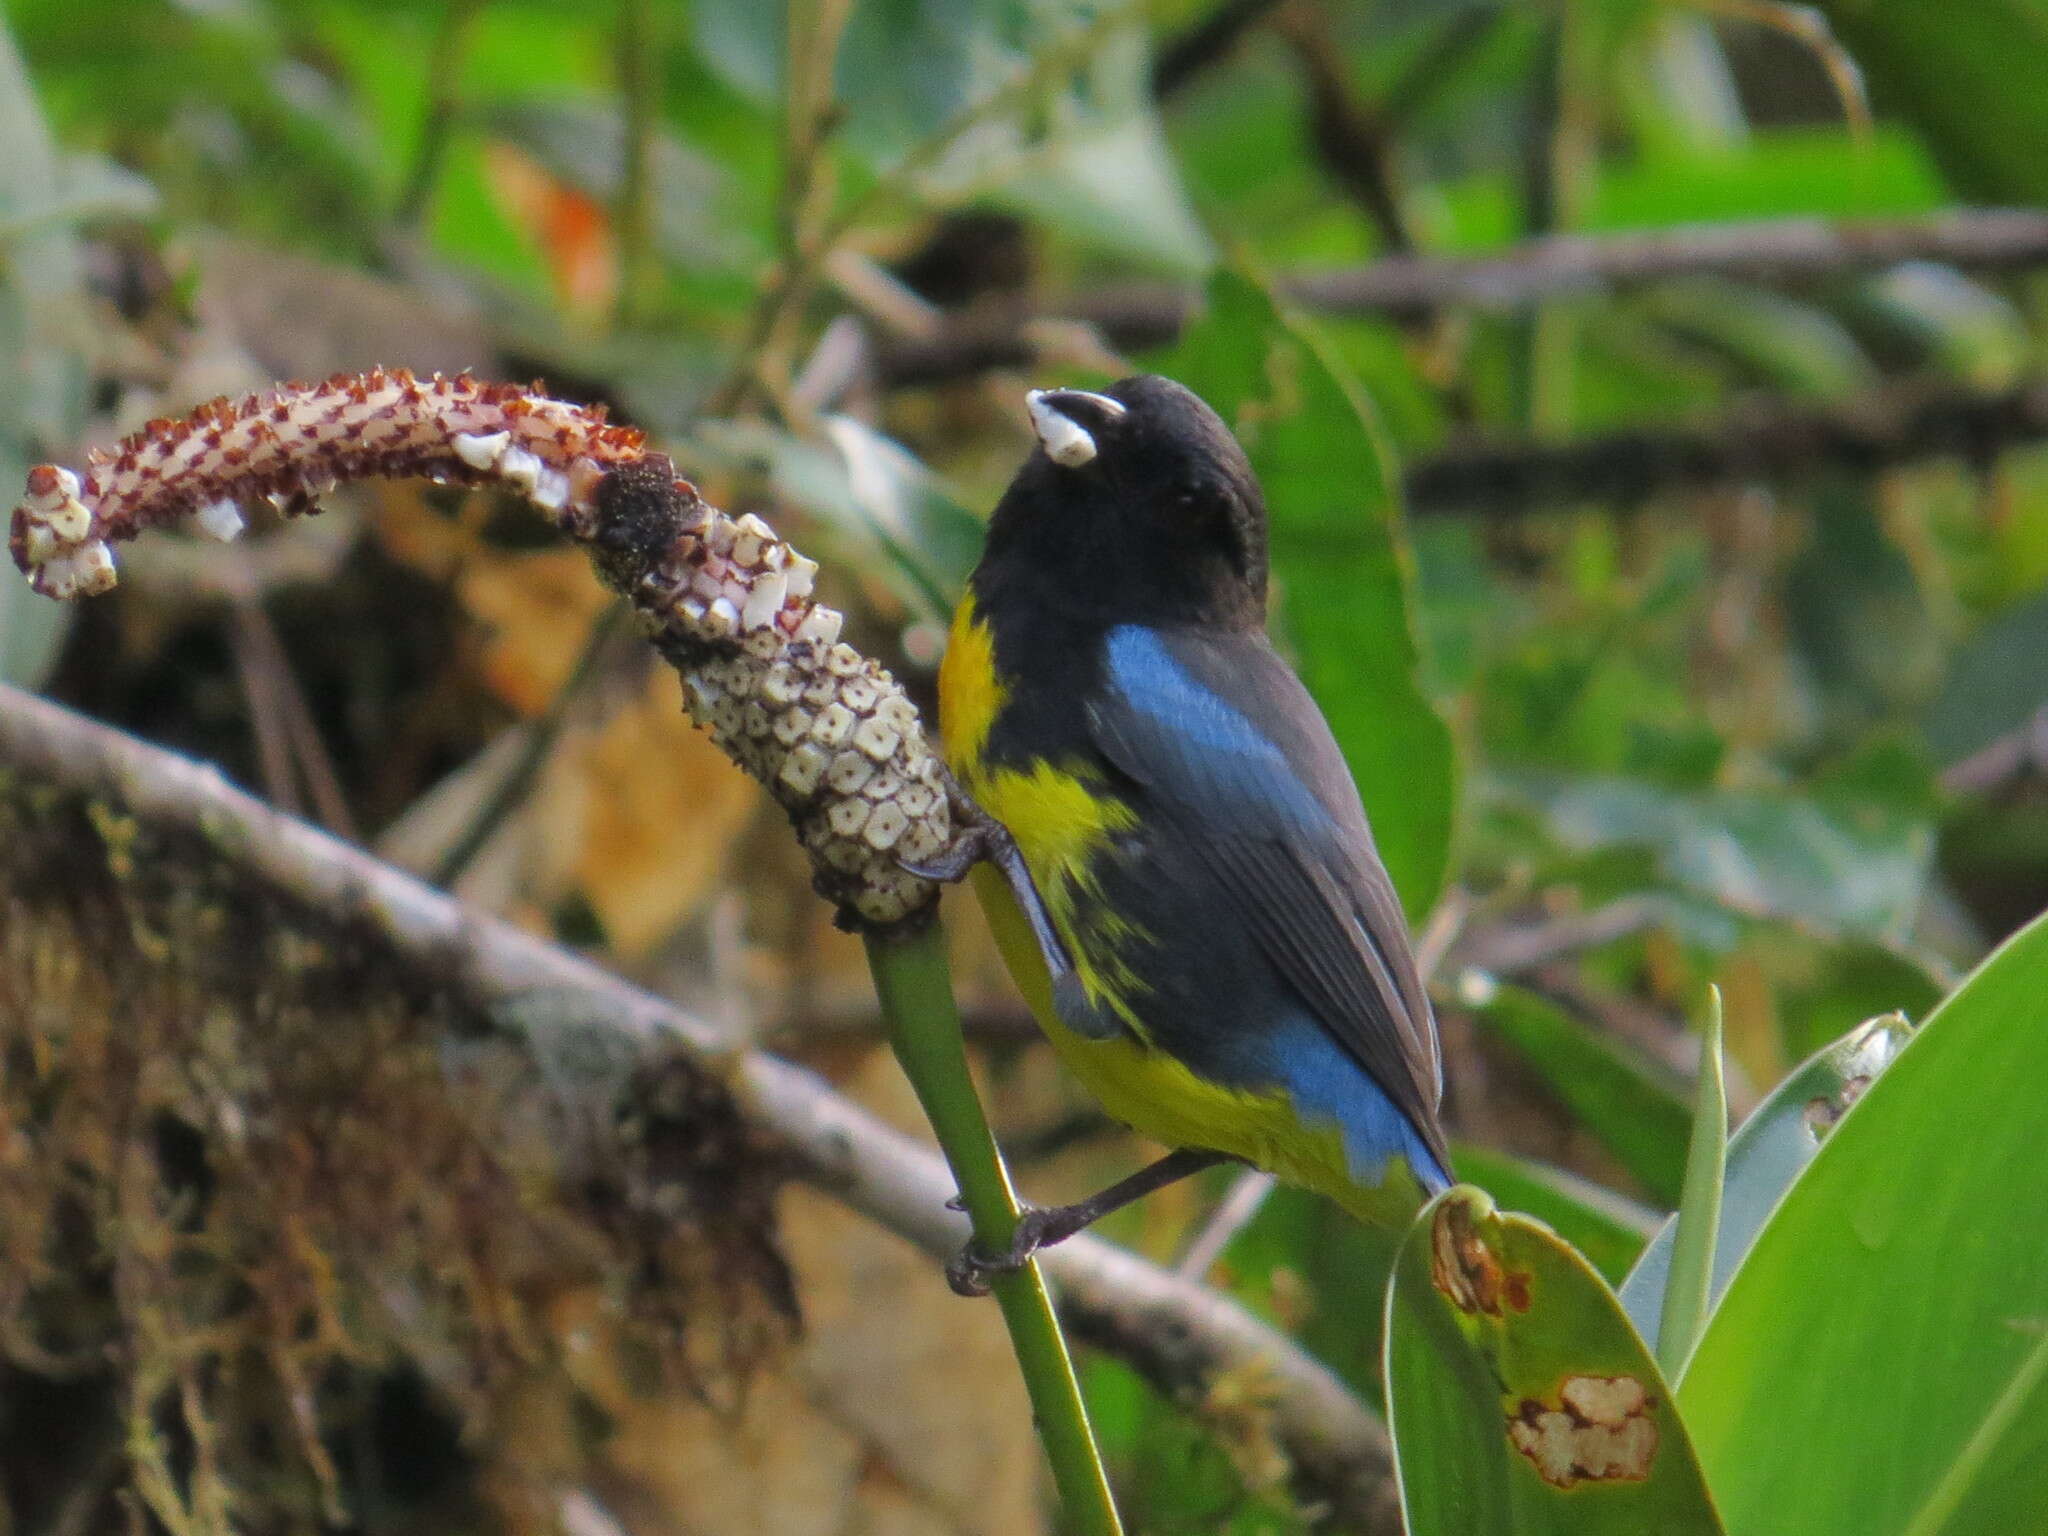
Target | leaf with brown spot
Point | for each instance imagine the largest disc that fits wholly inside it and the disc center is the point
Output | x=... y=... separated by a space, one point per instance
x=1521 y=1400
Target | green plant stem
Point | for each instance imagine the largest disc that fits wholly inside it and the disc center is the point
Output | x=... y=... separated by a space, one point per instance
x=1691 y=1280
x=639 y=70
x=444 y=106
x=924 y=1024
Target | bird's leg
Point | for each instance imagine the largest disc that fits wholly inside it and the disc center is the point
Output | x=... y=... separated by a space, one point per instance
x=970 y=1271
x=980 y=837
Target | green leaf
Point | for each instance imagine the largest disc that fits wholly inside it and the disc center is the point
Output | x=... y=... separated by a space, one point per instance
x=1622 y=1098
x=1521 y=1401
x=1948 y=72
x=1174 y=1475
x=1341 y=565
x=1953 y=322
x=43 y=317
x=1086 y=153
x=1847 y=866
x=1878 y=1354
x=1609 y=1229
x=1691 y=1272
x=1772 y=341
x=1769 y=1150
x=1994 y=683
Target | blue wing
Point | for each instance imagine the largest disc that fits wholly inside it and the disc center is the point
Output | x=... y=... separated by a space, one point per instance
x=1223 y=745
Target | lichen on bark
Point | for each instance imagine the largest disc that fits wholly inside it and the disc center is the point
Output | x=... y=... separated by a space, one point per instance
x=261 y=1166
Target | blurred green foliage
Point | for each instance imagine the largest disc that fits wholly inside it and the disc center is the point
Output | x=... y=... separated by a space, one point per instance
x=1793 y=724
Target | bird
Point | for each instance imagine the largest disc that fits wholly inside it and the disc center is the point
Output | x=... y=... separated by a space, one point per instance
x=1173 y=855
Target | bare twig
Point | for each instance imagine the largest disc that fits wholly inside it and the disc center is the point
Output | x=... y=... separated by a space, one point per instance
x=1182 y=1338
x=1351 y=139
x=1788 y=252
x=1508 y=949
x=1240 y=1203
x=2020 y=753
x=1765 y=441
x=1205 y=42
x=287 y=736
x=802 y=269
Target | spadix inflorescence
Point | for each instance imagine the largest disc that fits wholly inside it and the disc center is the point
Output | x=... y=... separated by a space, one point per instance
x=829 y=732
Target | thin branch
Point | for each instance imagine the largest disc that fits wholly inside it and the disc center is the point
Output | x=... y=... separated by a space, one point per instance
x=1206 y=42
x=1787 y=252
x=1765 y=441
x=1351 y=139
x=1233 y=1213
x=1183 y=1339
x=2019 y=754
x=1510 y=948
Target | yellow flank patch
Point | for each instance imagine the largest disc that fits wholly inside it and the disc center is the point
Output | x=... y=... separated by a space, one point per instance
x=1157 y=1095
x=970 y=693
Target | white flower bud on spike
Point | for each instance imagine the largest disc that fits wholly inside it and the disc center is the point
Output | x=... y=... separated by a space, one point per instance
x=520 y=469
x=220 y=520
x=821 y=626
x=802 y=574
x=59 y=577
x=551 y=490
x=94 y=563
x=746 y=543
x=765 y=601
x=480 y=450
x=826 y=729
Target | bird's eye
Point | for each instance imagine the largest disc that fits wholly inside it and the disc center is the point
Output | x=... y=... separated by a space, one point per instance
x=1069 y=421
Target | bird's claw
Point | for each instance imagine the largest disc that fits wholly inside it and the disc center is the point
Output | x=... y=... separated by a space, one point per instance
x=952 y=864
x=972 y=1270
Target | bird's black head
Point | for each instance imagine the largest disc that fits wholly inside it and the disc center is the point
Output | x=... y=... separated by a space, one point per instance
x=1137 y=506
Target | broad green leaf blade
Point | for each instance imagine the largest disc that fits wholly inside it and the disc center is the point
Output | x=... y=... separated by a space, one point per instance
x=1609 y=1229
x=1948 y=71
x=1767 y=1152
x=1343 y=574
x=1849 y=866
x=1767 y=339
x=1994 y=683
x=1520 y=1399
x=1699 y=1209
x=1618 y=1095
x=1889 y=1315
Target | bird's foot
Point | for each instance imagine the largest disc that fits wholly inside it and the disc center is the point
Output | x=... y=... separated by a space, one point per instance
x=977 y=840
x=979 y=836
x=972 y=1270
